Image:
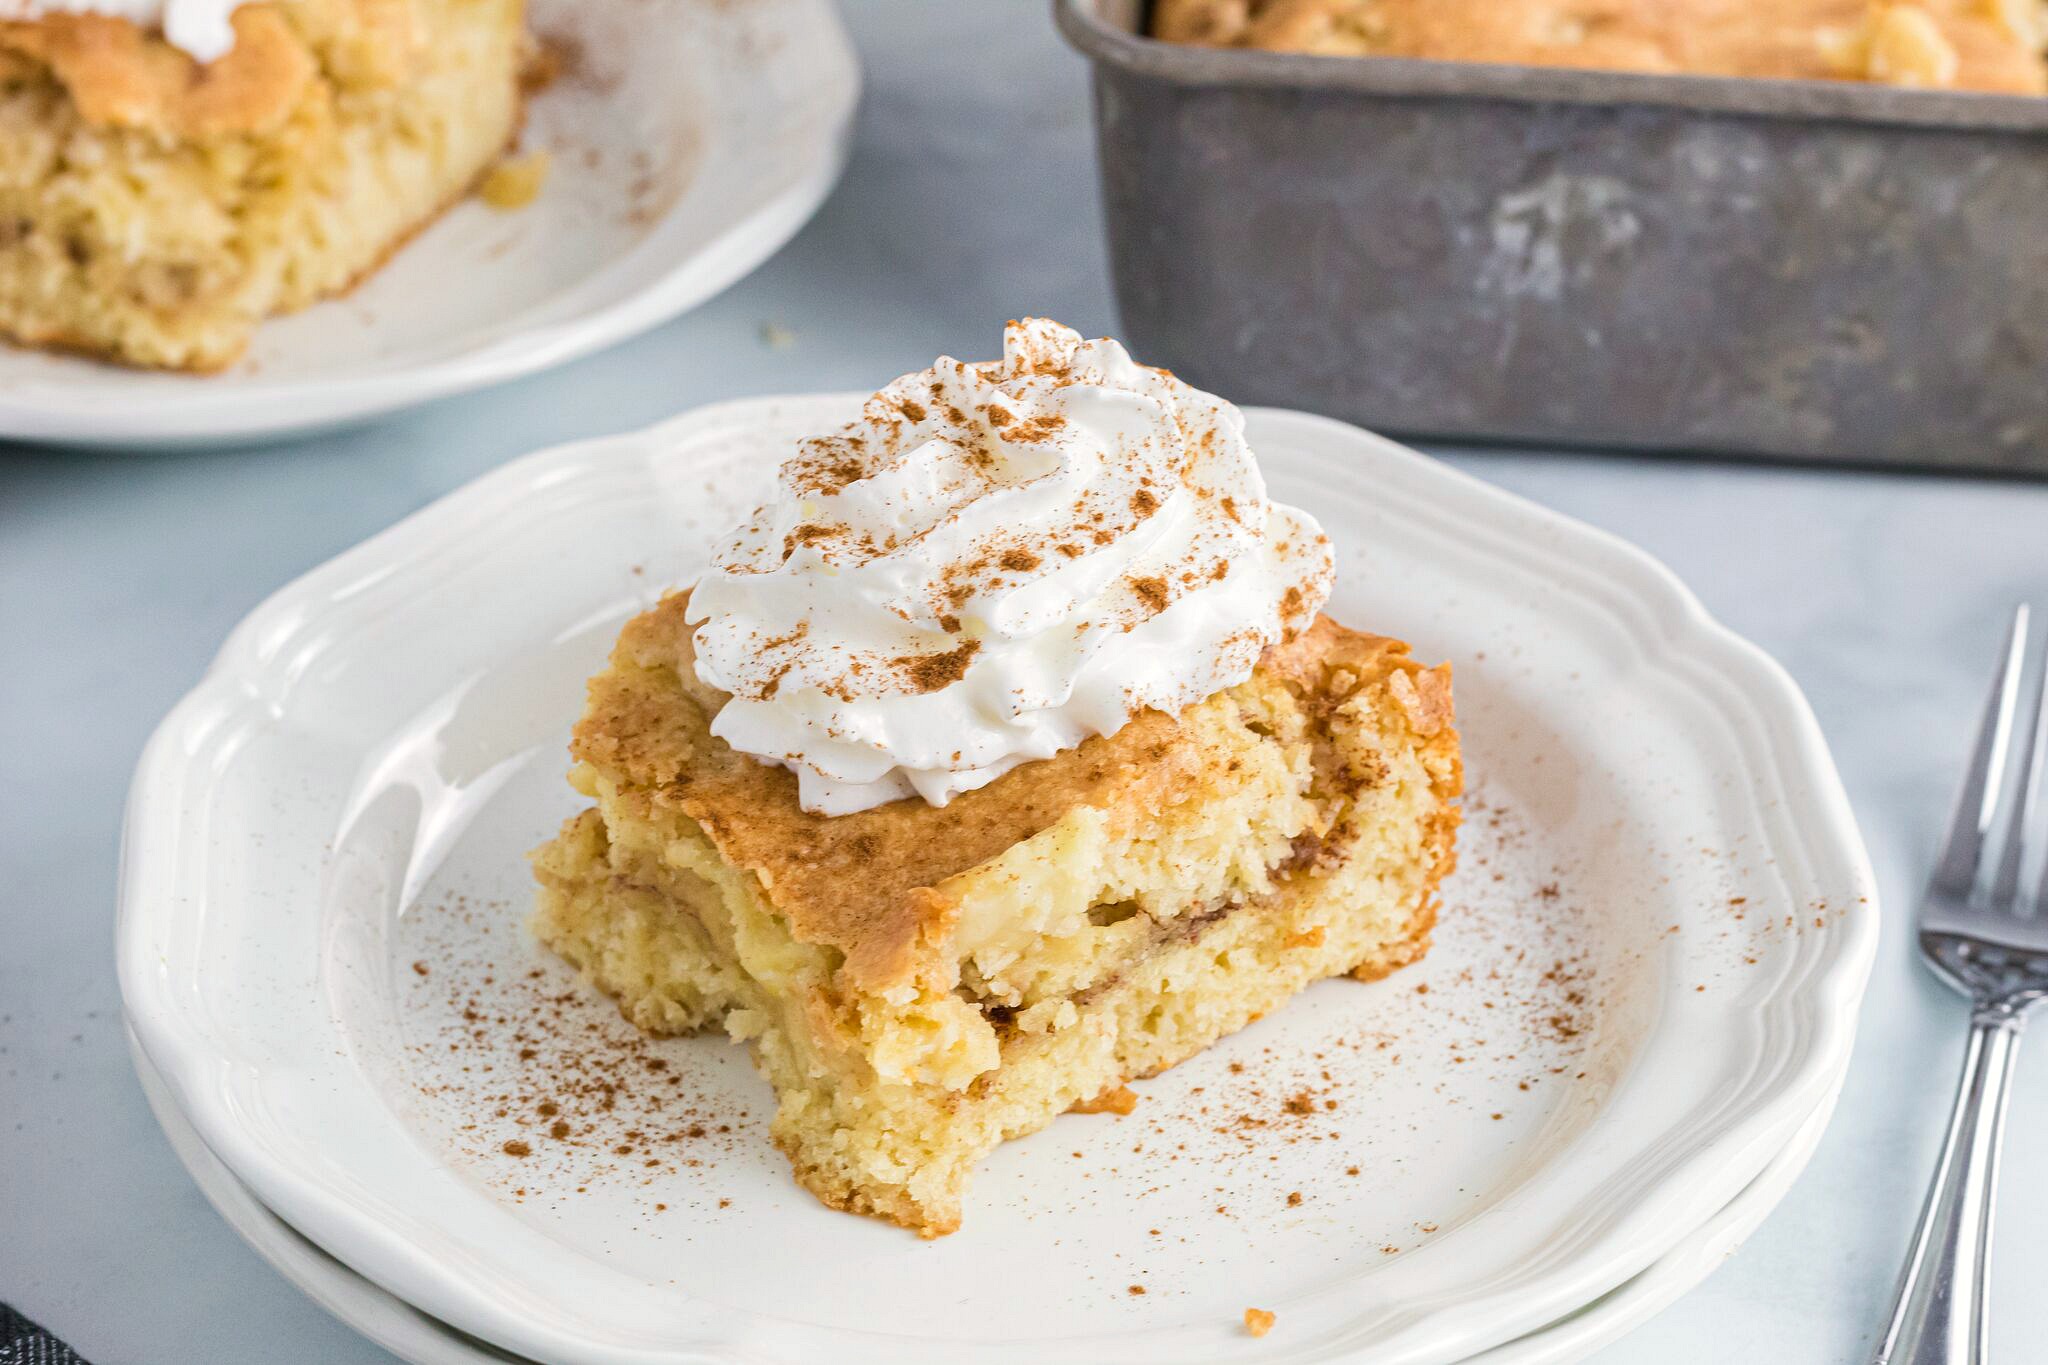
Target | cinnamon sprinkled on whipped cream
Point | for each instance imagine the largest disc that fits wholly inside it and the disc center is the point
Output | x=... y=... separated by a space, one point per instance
x=994 y=562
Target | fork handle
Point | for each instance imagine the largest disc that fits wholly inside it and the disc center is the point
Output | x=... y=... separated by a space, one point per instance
x=1940 y=1316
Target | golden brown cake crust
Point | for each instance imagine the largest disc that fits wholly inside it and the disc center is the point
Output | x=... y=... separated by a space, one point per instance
x=120 y=75
x=863 y=883
x=1988 y=45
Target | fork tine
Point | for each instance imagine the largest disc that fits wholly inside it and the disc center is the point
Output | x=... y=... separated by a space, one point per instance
x=2005 y=886
x=1956 y=870
x=2041 y=891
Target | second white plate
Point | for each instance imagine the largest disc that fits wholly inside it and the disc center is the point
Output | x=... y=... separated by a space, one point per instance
x=1645 y=981
x=689 y=140
x=420 y=1340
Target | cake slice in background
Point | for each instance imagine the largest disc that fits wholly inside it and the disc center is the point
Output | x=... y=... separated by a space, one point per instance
x=156 y=205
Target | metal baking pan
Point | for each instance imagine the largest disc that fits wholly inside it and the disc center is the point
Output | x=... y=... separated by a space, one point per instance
x=1811 y=270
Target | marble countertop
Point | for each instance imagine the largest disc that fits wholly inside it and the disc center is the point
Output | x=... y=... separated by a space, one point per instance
x=971 y=198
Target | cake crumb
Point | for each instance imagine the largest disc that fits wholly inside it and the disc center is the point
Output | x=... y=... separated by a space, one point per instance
x=514 y=1147
x=515 y=181
x=1294 y=1200
x=1258 y=1321
x=1121 y=1100
x=1137 y=1289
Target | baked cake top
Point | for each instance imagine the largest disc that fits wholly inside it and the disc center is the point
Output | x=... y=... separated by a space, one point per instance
x=121 y=74
x=1990 y=45
x=864 y=883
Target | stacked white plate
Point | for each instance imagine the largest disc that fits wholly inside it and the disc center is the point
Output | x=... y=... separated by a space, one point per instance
x=1620 y=1052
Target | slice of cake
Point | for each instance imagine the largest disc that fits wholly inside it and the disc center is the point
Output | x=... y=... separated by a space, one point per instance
x=157 y=201
x=922 y=983
x=934 y=937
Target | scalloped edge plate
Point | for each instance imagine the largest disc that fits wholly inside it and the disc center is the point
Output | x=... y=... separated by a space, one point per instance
x=420 y=1340
x=230 y=929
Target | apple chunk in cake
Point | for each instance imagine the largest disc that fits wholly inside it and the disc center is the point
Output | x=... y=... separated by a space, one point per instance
x=921 y=983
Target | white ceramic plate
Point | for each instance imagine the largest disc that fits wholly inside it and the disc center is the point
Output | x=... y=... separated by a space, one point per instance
x=689 y=140
x=420 y=1340
x=1614 y=1314
x=1645 y=982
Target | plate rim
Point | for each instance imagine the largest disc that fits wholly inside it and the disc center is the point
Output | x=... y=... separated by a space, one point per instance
x=91 y=415
x=1683 y=623
x=307 y=1268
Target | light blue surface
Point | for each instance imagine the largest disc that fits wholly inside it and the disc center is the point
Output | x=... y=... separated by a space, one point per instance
x=971 y=199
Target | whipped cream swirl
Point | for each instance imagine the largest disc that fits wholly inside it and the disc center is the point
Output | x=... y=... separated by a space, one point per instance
x=993 y=563
x=201 y=28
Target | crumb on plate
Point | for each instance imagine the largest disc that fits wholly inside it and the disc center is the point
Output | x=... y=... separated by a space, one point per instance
x=515 y=181
x=1121 y=1100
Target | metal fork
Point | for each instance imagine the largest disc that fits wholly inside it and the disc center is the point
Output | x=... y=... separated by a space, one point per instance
x=1988 y=939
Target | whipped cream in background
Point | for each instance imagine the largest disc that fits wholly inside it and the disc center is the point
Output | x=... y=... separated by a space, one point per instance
x=993 y=563
x=201 y=28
